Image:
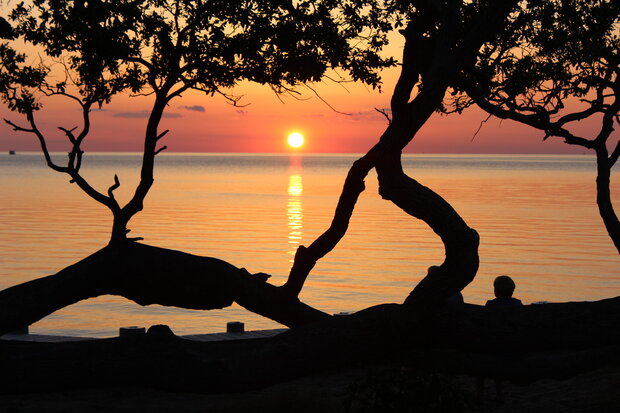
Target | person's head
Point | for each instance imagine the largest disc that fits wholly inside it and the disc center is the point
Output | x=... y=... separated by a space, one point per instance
x=503 y=286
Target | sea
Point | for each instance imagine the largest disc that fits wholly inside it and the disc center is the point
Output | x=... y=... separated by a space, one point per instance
x=536 y=216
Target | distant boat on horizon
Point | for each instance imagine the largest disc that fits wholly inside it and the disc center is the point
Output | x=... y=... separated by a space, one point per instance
x=11 y=152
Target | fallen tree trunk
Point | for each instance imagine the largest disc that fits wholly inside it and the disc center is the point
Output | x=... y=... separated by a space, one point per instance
x=151 y=275
x=520 y=344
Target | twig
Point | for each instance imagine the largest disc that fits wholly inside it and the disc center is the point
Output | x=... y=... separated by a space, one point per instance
x=69 y=133
x=18 y=128
x=161 y=135
x=480 y=127
x=384 y=113
x=111 y=189
x=326 y=102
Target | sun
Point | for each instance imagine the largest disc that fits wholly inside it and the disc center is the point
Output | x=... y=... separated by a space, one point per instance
x=295 y=139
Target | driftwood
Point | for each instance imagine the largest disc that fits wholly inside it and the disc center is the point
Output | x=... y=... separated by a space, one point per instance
x=151 y=275
x=520 y=344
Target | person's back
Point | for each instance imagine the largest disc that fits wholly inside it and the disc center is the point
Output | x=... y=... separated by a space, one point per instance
x=504 y=287
x=502 y=302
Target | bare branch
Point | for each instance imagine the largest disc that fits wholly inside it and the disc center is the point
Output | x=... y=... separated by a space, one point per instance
x=141 y=61
x=163 y=148
x=69 y=133
x=179 y=91
x=18 y=128
x=326 y=102
x=134 y=239
x=231 y=99
x=384 y=113
x=112 y=188
x=532 y=119
x=480 y=127
x=161 y=135
x=143 y=94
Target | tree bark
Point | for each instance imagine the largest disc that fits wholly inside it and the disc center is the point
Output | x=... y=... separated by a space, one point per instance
x=151 y=275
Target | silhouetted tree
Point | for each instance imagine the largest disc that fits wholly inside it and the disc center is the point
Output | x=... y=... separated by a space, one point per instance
x=555 y=64
x=95 y=50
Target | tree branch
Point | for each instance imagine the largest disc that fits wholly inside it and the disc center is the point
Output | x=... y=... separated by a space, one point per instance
x=324 y=101
x=161 y=135
x=17 y=128
x=43 y=144
x=385 y=114
x=533 y=120
x=69 y=133
x=306 y=258
x=112 y=188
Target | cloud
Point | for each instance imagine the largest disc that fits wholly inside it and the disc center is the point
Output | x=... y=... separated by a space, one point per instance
x=143 y=114
x=316 y=115
x=242 y=112
x=372 y=114
x=194 y=108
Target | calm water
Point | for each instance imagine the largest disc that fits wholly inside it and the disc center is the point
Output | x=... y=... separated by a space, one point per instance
x=535 y=214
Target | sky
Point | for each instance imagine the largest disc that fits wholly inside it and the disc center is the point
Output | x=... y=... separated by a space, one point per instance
x=198 y=123
x=342 y=120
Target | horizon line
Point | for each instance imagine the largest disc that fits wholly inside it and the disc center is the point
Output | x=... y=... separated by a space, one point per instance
x=298 y=153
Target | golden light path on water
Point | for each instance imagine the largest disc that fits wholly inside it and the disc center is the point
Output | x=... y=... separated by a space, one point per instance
x=295 y=212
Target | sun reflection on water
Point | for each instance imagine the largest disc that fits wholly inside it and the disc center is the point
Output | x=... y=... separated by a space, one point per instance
x=295 y=212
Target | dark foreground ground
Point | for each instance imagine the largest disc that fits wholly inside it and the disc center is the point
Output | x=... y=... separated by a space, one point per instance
x=381 y=389
x=370 y=361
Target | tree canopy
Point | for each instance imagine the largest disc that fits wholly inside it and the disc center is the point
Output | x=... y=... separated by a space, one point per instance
x=555 y=64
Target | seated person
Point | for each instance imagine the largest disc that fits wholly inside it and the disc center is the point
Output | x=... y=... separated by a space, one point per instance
x=504 y=287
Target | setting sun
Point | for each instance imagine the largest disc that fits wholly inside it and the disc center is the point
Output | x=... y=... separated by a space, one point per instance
x=295 y=139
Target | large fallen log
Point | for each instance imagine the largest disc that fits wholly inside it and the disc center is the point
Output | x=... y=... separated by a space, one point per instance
x=520 y=344
x=151 y=275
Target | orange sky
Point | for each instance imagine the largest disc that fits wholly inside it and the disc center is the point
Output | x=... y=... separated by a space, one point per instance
x=199 y=123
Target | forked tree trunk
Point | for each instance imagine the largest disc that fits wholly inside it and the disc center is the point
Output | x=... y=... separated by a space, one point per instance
x=460 y=241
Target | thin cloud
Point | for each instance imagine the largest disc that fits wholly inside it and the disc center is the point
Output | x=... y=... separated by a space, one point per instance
x=143 y=114
x=194 y=108
x=370 y=115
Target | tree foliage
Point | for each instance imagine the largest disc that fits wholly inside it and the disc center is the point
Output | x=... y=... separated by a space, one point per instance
x=548 y=53
x=554 y=64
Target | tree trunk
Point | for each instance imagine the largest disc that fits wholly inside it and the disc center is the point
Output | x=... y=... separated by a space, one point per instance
x=150 y=275
x=460 y=241
x=603 y=195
